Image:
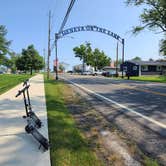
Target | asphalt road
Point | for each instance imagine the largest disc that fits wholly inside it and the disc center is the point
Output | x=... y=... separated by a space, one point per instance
x=146 y=98
x=137 y=108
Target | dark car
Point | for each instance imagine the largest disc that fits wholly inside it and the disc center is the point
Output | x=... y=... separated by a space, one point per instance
x=1 y=72
x=109 y=73
x=70 y=71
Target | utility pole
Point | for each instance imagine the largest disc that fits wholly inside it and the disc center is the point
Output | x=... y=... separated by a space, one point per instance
x=44 y=56
x=49 y=50
x=56 y=57
x=123 y=42
x=117 y=60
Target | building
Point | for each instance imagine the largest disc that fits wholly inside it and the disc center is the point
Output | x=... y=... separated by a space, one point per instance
x=80 y=68
x=138 y=68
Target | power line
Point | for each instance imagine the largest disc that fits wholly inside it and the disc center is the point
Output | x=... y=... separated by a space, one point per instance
x=60 y=30
x=67 y=15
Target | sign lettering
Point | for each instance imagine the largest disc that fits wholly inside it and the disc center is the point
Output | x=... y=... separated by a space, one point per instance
x=89 y=28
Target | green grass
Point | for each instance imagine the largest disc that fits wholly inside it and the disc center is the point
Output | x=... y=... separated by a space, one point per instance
x=68 y=146
x=8 y=81
x=161 y=79
x=150 y=162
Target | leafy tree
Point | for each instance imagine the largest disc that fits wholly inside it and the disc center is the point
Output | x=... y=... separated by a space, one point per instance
x=153 y=18
x=163 y=47
x=2 y=57
x=61 y=67
x=22 y=63
x=30 y=60
x=150 y=59
x=99 y=59
x=137 y=58
x=96 y=58
x=80 y=51
x=11 y=61
x=7 y=62
x=4 y=44
x=84 y=53
x=103 y=60
x=89 y=54
x=13 y=57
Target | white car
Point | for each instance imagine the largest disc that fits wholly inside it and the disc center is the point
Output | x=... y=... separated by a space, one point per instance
x=87 y=73
x=95 y=73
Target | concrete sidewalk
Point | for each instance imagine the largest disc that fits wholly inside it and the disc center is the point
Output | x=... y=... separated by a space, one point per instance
x=17 y=148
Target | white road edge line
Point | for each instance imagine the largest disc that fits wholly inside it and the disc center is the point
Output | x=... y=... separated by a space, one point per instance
x=120 y=105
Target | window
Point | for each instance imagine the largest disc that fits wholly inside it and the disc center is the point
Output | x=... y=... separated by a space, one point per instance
x=144 y=68
x=135 y=68
x=125 y=68
x=158 y=68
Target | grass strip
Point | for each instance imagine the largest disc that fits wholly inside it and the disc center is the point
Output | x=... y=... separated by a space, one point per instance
x=8 y=81
x=161 y=79
x=68 y=146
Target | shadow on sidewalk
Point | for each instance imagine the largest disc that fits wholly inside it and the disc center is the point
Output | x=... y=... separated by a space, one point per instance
x=15 y=144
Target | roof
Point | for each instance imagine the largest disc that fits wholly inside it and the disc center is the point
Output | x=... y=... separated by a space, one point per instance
x=148 y=63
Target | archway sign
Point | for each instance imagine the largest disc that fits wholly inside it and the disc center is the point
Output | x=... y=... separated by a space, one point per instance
x=88 y=28
x=93 y=28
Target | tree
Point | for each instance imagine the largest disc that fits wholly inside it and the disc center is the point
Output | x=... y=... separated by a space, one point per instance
x=89 y=54
x=103 y=60
x=137 y=58
x=150 y=59
x=96 y=58
x=99 y=59
x=80 y=51
x=163 y=47
x=14 y=56
x=61 y=67
x=4 y=44
x=10 y=61
x=153 y=18
x=30 y=60
x=84 y=52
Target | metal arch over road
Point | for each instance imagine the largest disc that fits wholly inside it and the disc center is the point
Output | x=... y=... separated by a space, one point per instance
x=89 y=28
x=93 y=28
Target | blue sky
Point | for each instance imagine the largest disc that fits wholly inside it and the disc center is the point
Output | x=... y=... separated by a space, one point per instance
x=27 y=23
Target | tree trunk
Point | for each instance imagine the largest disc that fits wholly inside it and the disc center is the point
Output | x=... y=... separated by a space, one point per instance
x=31 y=71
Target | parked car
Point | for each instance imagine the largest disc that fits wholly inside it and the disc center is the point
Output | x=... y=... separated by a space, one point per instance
x=2 y=72
x=70 y=72
x=87 y=73
x=109 y=73
x=95 y=73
